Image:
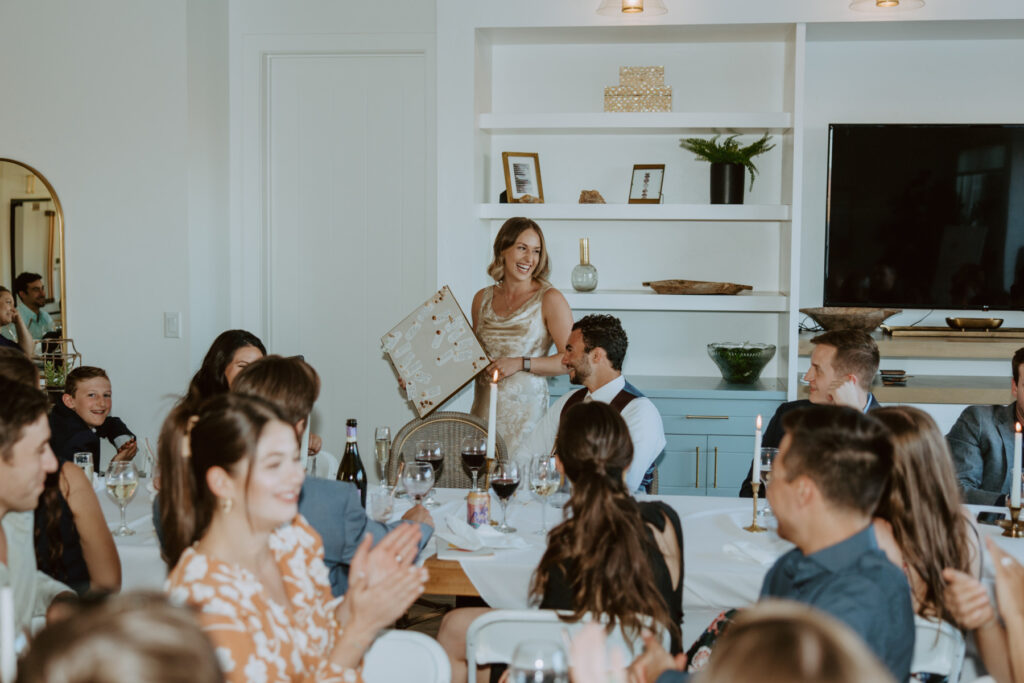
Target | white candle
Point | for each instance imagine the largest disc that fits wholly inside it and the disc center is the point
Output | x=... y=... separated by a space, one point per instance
x=1015 y=474
x=755 y=472
x=8 y=663
x=492 y=417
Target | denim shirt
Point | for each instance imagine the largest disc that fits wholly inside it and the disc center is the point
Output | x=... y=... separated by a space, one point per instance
x=856 y=583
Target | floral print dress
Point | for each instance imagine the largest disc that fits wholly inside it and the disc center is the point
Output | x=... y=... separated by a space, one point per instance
x=257 y=639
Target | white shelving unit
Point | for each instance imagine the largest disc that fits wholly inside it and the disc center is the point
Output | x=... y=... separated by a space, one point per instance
x=637 y=212
x=592 y=123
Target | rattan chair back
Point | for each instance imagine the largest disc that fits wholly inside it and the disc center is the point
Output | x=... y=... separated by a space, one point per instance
x=450 y=428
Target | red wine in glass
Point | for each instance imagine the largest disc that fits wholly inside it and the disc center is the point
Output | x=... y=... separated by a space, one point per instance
x=504 y=488
x=435 y=460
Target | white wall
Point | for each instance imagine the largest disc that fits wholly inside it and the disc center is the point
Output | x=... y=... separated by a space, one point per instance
x=95 y=97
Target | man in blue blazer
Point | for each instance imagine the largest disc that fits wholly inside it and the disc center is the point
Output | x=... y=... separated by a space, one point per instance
x=981 y=442
x=843 y=366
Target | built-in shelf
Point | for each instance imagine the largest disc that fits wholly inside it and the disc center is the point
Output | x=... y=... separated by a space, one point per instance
x=647 y=300
x=638 y=212
x=614 y=123
x=933 y=347
x=953 y=389
x=683 y=386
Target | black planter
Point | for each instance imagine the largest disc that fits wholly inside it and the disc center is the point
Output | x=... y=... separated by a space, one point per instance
x=726 y=183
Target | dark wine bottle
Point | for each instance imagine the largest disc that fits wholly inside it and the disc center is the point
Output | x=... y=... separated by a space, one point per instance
x=351 y=467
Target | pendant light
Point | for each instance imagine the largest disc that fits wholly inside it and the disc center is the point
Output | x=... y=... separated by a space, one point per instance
x=613 y=8
x=869 y=5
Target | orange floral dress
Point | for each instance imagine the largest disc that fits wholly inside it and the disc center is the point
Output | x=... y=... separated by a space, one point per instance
x=257 y=639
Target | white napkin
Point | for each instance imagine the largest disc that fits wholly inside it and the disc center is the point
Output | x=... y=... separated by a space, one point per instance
x=764 y=556
x=461 y=535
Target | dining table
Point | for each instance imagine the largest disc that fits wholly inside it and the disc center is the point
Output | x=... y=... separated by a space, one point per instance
x=724 y=565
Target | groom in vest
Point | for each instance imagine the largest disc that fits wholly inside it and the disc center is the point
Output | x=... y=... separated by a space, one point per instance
x=593 y=358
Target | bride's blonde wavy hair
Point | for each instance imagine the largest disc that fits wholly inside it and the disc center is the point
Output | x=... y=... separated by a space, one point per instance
x=506 y=238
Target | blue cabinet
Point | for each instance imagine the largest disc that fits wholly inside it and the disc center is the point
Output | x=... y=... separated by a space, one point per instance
x=709 y=429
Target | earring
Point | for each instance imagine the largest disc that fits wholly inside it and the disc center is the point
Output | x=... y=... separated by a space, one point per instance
x=225 y=504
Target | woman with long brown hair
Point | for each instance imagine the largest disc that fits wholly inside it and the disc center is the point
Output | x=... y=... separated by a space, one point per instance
x=919 y=522
x=251 y=566
x=613 y=556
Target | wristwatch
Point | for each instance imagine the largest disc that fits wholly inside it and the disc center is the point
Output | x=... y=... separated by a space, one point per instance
x=526 y=364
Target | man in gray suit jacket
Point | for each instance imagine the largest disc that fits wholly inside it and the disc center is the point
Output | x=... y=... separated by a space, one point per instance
x=981 y=442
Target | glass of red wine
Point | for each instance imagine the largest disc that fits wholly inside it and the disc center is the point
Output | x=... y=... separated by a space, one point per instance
x=432 y=453
x=504 y=482
x=474 y=455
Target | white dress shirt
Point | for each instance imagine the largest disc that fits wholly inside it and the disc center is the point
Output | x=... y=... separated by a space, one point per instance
x=33 y=590
x=642 y=418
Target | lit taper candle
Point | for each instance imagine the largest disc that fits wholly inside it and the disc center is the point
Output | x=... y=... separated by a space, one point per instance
x=755 y=472
x=492 y=416
x=1015 y=476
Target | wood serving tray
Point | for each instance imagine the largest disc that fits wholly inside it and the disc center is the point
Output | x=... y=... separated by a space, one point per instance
x=695 y=287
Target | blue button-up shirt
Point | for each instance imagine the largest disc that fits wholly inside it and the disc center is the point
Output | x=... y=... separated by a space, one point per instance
x=856 y=583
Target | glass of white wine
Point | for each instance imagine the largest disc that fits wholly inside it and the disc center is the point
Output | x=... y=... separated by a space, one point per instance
x=544 y=480
x=382 y=448
x=122 y=481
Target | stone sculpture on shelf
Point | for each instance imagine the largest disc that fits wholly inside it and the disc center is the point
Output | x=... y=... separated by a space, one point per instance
x=591 y=197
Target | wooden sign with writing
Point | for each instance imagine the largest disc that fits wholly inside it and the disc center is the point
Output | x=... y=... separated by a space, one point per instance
x=435 y=351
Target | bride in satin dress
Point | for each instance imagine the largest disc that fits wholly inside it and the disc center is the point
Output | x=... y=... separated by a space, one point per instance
x=517 y=320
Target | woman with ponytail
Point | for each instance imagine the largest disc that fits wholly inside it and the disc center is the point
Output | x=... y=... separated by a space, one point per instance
x=612 y=556
x=251 y=566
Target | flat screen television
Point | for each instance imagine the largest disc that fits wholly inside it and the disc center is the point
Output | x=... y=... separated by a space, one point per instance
x=925 y=216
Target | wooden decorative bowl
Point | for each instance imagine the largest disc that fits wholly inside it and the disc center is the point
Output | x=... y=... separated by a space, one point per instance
x=974 y=323
x=850 y=318
x=695 y=287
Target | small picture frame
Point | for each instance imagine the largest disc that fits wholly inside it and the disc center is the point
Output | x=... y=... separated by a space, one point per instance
x=645 y=186
x=522 y=177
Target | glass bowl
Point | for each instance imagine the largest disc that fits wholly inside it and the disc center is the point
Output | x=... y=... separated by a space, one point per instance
x=741 y=363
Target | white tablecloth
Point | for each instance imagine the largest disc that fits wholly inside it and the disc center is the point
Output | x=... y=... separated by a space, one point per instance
x=721 y=571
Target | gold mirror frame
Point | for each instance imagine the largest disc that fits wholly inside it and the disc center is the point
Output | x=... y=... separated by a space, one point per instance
x=59 y=218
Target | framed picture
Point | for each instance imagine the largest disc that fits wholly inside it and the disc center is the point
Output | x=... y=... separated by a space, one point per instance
x=435 y=351
x=522 y=177
x=645 y=188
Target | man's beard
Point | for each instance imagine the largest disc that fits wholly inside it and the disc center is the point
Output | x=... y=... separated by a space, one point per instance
x=577 y=376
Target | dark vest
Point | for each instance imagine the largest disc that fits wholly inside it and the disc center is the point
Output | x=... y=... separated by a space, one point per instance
x=621 y=400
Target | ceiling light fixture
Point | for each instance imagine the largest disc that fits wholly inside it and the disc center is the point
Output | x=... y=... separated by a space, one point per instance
x=613 y=8
x=868 y=5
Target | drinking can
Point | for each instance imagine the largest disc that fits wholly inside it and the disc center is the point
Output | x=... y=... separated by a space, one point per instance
x=477 y=508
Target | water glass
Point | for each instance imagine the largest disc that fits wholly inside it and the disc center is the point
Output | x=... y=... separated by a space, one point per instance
x=84 y=460
x=418 y=478
x=539 y=661
x=767 y=459
x=381 y=504
x=122 y=482
x=544 y=480
x=382 y=449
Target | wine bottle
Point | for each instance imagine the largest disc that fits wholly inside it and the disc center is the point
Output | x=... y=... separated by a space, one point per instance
x=351 y=467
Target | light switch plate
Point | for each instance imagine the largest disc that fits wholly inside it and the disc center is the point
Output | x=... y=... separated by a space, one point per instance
x=172 y=325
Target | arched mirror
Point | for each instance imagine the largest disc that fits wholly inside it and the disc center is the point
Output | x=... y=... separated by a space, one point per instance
x=32 y=243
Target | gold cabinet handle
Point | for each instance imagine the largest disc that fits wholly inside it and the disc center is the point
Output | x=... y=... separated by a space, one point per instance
x=715 y=485
x=696 y=476
x=707 y=417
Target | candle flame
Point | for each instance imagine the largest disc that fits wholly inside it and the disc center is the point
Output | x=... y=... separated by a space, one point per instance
x=1018 y=427
x=758 y=421
x=495 y=376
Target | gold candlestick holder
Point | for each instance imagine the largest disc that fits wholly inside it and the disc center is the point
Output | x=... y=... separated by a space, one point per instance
x=1013 y=527
x=754 y=526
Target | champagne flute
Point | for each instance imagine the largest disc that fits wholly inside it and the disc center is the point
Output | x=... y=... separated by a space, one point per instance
x=539 y=660
x=544 y=480
x=432 y=453
x=474 y=453
x=382 y=448
x=767 y=458
x=122 y=480
x=418 y=478
x=505 y=481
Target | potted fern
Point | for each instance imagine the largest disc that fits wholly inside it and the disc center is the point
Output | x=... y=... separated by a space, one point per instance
x=728 y=159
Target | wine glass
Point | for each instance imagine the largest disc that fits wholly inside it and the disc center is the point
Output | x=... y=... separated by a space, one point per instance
x=544 y=480
x=539 y=660
x=432 y=453
x=382 y=448
x=122 y=480
x=418 y=478
x=505 y=481
x=767 y=458
x=474 y=453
